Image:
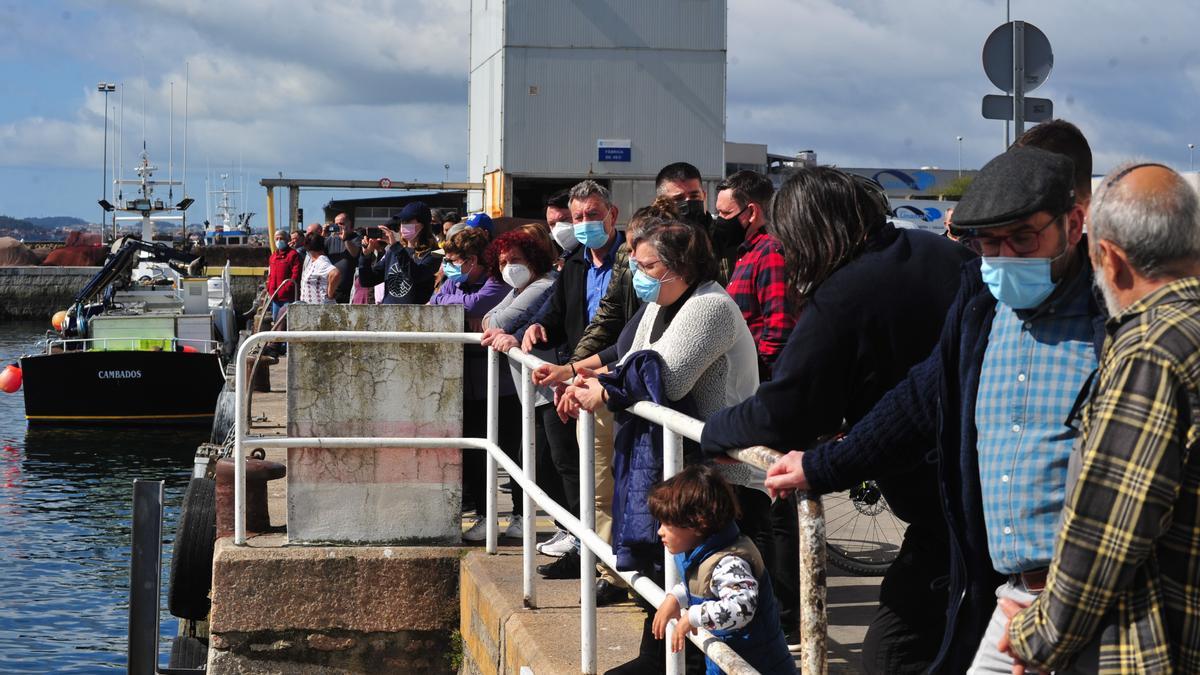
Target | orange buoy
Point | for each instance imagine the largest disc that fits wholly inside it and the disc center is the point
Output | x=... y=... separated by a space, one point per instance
x=10 y=379
x=59 y=320
x=188 y=349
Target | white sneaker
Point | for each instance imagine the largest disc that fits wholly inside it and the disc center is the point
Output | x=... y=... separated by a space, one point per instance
x=477 y=531
x=559 y=545
x=515 y=529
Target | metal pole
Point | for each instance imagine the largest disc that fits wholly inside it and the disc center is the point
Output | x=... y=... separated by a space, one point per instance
x=959 y=156
x=1018 y=78
x=813 y=623
x=1191 y=156
x=241 y=413
x=672 y=463
x=529 y=468
x=587 y=517
x=1007 y=19
x=104 y=166
x=493 y=434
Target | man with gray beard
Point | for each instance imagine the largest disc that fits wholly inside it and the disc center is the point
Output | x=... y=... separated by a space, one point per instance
x=1121 y=590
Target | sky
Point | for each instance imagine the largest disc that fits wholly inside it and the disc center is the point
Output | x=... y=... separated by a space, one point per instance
x=371 y=88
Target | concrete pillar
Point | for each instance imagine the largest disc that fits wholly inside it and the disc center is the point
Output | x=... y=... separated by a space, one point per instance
x=398 y=496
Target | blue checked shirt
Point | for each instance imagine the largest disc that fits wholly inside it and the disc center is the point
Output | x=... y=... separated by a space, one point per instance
x=1035 y=365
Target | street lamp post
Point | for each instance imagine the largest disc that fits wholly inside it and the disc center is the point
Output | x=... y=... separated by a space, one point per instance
x=107 y=88
x=1191 y=156
x=959 y=139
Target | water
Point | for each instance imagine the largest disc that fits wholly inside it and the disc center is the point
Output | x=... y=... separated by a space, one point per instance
x=65 y=509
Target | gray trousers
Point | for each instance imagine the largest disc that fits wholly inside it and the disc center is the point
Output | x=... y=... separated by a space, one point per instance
x=989 y=660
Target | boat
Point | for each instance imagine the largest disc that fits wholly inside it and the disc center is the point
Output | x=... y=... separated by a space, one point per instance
x=228 y=227
x=144 y=341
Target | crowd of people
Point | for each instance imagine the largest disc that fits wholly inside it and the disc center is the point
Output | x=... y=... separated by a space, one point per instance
x=1024 y=391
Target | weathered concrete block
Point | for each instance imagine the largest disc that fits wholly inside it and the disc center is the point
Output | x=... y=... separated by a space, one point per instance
x=386 y=495
x=39 y=292
x=358 y=588
x=336 y=609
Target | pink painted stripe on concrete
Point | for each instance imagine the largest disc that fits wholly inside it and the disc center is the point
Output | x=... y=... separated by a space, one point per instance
x=377 y=465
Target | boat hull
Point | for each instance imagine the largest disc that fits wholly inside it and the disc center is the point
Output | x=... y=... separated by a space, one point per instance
x=121 y=387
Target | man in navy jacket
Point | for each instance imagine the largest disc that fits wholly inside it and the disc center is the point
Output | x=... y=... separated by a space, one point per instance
x=996 y=396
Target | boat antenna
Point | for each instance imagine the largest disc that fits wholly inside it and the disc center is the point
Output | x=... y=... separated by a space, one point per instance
x=145 y=83
x=121 y=150
x=171 y=150
x=185 y=128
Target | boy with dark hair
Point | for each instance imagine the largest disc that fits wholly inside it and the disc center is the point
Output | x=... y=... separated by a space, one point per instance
x=1064 y=138
x=725 y=588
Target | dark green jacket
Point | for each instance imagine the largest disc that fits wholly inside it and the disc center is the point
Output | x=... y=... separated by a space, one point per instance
x=618 y=305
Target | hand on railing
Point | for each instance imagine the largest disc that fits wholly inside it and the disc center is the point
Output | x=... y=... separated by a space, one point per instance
x=534 y=335
x=588 y=390
x=499 y=340
x=565 y=403
x=786 y=475
x=548 y=374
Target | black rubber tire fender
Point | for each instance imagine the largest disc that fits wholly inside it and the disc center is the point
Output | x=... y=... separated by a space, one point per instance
x=192 y=554
x=188 y=652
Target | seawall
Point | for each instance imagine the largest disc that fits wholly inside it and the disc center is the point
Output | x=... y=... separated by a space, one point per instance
x=36 y=293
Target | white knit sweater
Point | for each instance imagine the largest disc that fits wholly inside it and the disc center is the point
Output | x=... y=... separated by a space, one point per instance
x=707 y=352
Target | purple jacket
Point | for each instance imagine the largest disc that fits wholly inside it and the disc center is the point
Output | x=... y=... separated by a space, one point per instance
x=477 y=299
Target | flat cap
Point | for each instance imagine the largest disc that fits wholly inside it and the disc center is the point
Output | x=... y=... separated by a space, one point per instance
x=1014 y=186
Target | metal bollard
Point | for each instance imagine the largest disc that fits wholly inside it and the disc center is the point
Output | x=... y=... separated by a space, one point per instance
x=258 y=472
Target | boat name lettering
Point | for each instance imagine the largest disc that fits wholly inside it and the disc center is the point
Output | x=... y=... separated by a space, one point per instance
x=119 y=374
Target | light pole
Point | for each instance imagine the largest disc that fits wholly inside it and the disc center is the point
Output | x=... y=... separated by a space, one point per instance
x=107 y=88
x=1191 y=156
x=447 y=168
x=959 y=139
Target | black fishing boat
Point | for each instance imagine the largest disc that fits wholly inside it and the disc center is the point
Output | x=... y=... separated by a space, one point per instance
x=142 y=343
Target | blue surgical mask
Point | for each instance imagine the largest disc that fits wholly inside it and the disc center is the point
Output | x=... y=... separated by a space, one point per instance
x=645 y=286
x=452 y=271
x=1020 y=283
x=591 y=233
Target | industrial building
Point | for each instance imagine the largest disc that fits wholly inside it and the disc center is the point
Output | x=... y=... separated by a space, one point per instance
x=611 y=90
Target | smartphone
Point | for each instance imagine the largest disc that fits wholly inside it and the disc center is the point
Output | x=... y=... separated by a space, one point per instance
x=374 y=233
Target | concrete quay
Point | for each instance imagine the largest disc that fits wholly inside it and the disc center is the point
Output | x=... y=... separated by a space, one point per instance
x=280 y=608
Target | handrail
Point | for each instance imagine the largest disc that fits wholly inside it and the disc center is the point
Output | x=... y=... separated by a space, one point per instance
x=675 y=427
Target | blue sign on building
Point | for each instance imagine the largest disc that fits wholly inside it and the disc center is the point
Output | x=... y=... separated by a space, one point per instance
x=614 y=150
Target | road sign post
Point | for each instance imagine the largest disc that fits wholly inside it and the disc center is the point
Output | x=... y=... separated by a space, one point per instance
x=1017 y=58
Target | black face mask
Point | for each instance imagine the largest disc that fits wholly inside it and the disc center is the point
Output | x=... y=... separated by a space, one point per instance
x=728 y=232
x=692 y=211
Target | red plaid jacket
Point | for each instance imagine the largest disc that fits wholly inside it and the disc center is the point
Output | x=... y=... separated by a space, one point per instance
x=759 y=287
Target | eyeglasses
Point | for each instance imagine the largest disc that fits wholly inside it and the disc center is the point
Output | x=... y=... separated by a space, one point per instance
x=1021 y=243
x=634 y=264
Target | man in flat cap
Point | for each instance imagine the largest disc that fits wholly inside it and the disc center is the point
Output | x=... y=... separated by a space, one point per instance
x=1016 y=352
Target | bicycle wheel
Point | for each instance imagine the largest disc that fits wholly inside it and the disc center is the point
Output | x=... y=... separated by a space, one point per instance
x=862 y=535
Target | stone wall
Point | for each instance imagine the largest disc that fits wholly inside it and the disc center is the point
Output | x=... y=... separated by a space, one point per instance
x=342 y=609
x=36 y=293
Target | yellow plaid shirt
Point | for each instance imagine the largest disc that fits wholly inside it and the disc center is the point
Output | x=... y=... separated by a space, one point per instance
x=1127 y=558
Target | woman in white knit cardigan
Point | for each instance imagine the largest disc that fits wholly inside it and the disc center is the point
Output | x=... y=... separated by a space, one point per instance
x=694 y=326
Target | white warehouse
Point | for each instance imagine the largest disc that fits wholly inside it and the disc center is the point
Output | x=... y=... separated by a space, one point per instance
x=613 y=90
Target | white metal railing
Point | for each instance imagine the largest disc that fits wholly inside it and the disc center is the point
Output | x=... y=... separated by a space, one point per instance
x=675 y=425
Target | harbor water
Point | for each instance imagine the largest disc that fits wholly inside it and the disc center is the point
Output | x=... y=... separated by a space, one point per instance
x=65 y=509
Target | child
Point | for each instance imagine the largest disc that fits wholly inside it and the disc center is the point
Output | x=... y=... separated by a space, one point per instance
x=725 y=588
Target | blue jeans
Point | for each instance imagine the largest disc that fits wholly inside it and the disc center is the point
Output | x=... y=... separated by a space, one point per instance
x=277 y=307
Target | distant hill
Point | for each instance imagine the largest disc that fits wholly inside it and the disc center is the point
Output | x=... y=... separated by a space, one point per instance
x=8 y=222
x=51 y=222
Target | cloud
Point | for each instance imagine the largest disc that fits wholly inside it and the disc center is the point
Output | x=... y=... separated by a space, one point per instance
x=376 y=87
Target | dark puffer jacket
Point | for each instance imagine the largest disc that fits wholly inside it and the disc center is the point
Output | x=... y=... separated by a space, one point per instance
x=637 y=457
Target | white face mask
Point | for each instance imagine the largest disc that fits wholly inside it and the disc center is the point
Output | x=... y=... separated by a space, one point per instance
x=516 y=275
x=564 y=234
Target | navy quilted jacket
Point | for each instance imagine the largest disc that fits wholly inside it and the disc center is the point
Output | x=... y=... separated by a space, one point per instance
x=637 y=457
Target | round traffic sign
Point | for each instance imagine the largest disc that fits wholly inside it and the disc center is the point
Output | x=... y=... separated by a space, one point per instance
x=385 y=182
x=998 y=57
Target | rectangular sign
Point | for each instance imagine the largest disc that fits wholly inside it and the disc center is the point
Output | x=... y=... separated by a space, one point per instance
x=614 y=150
x=998 y=107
